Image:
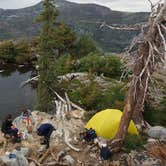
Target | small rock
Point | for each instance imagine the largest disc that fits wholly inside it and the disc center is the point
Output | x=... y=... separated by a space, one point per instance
x=22 y=151
x=61 y=154
x=32 y=164
x=151 y=140
x=69 y=160
x=77 y=114
x=116 y=163
x=92 y=155
x=42 y=148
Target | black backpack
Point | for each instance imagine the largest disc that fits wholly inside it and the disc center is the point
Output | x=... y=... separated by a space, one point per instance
x=105 y=153
x=90 y=135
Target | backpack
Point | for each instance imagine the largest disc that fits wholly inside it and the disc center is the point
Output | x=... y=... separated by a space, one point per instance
x=105 y=153
x=90 y=135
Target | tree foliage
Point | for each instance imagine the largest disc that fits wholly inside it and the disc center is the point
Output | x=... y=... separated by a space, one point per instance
x=46 y=60
x=84 y=45
x=64 y=38
x=18 y=52
x=108 y=65
x=7 y=51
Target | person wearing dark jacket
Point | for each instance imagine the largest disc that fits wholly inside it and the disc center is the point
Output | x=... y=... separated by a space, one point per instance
x=8 y=128
x=45 y=130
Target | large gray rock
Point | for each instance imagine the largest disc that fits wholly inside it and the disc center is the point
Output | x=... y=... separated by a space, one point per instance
x=157 y=132
x=19 y=160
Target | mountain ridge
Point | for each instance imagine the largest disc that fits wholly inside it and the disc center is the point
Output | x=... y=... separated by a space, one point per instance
x=82 y=18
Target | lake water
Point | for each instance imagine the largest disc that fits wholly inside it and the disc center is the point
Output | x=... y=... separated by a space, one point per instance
x=12 y=96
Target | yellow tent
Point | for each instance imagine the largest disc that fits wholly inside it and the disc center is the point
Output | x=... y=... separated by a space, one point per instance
x=106 y=123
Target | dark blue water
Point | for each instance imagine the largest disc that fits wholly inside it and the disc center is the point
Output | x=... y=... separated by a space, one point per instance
x=12 y=96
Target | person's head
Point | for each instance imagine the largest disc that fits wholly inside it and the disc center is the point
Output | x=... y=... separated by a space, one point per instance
x=9 y=117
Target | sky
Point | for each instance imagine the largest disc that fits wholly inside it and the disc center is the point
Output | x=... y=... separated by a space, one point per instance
x=121 y=5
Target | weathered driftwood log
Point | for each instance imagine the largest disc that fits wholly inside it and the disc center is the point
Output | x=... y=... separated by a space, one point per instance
x=29 y=80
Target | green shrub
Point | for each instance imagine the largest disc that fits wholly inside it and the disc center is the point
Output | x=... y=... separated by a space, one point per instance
x=92 y=96
x=7 y=51
x=64 y=65
x=15 y=52
x=88 y=115
x=156 y=116
x=84 y=46
x=110 y=66
x=134 y=142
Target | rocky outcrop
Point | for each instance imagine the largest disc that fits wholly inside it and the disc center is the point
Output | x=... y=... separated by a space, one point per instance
x=62 y=153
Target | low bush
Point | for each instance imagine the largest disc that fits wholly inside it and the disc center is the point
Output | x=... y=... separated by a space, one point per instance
x=156 y=116
x=92 y=96
x=134 y=142
x=109 y=66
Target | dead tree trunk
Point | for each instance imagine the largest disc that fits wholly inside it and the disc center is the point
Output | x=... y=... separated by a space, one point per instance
x=151 y=52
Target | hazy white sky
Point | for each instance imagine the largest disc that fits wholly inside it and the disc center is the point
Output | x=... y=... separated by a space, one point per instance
x=14 y=4
x=122 y=5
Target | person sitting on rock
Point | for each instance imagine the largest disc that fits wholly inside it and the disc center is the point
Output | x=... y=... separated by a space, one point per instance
x=9 y=129
x=27 y=118
x=45 y=130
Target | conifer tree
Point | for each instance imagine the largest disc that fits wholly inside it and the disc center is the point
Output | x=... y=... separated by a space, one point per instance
x=46 y=60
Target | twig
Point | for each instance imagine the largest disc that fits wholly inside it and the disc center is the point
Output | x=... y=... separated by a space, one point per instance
x=44 y=156
x=36 y=162
x=76 y=106
x=55 y=163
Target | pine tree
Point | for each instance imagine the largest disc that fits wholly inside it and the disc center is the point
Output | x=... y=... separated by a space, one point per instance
x=46 y=60
x=64 y=39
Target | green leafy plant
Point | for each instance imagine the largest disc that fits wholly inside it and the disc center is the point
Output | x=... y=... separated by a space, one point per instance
x=110 y=66
x=134 y=142
x=156 y=116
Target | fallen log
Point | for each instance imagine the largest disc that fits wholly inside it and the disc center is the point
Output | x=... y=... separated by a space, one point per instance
x=29 y=80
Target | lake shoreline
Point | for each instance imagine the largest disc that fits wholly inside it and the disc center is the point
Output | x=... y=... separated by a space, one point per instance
x=13 y=97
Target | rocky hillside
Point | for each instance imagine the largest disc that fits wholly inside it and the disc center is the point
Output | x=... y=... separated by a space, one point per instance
x=68 y=150
x=81 y=17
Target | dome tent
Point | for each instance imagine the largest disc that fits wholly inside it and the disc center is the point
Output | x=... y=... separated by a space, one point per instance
x=106 y=123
